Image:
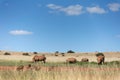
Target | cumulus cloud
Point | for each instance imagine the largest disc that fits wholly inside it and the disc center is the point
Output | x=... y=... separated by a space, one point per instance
x=73 y=10
x=53 y=6
x=96 y=9
x=114 y=7
x=20 y=32
x=69 y=10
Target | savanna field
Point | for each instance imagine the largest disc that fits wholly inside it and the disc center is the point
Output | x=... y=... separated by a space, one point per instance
x=56 y=67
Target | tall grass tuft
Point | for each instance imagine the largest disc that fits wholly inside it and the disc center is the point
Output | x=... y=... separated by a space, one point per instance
x=63 y=71
x=100 y=73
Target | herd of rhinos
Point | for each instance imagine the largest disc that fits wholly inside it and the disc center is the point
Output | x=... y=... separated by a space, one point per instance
x=37 y=58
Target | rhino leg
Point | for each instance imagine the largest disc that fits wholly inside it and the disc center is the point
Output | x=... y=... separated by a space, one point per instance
x=44 y=61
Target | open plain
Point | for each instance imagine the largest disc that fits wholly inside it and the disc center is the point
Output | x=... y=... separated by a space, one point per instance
x=17 y=56
x=56 y=67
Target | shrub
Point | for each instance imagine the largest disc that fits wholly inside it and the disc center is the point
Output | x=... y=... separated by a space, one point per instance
x=26 y=54
x=35 y=53
x=70 y=51
x=98 y=54
x=6 y=53
x=63 y=54
x=56 y=53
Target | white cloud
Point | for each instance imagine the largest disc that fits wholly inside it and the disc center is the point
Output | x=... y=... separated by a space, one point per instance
x=70 y=10
x=20 y=32
x=96 y=10
x=53 y=6
x=73 y=10
x=114 y=7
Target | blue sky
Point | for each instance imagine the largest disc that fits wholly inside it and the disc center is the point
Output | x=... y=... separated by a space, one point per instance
x=60 y=25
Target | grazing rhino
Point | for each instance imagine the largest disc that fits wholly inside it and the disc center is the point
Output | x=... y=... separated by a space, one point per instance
x=39 y=58
x=84 y=60
x=71 y=60
x=20 y=68
x=31 y=67
x=100 y=59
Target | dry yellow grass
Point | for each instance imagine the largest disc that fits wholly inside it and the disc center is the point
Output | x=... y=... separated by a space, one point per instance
x=60 y=75
x=72 y=74
x=109 y=56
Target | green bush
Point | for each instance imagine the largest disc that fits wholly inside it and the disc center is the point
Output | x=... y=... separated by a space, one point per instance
x=57 y=52
x=35 y=53
x=70 y=51
x=26 y=54
x=63 y=54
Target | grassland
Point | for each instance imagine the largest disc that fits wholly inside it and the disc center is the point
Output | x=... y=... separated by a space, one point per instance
x=57 y=69
x=17 y=56
x=63 y=71
x=60 y=75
